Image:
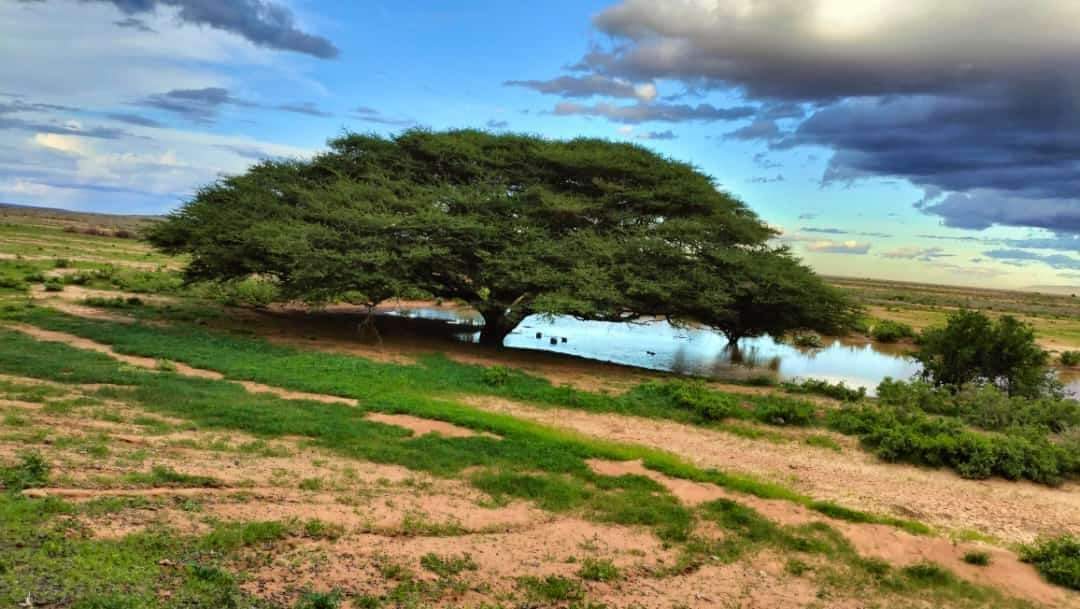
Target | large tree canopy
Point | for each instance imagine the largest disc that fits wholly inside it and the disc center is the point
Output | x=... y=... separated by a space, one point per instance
x=512 y=224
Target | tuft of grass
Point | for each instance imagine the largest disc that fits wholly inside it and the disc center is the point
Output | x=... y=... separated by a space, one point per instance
x=977 y=557
x=551 y=589
x=823 y=441
x=320 y=600
x=598 y=570
x=161 y=475
x=318 y=529
x=227 y=537
x=447 y=566
x=31 y=470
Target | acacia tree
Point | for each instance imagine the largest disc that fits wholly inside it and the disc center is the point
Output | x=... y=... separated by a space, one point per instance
x=513 y=225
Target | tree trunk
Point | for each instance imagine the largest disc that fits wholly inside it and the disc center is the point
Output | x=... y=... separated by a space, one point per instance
x=497 y=325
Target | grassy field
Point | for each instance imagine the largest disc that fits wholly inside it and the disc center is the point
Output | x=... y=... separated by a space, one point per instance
x=1055 y=317
x=157 y=450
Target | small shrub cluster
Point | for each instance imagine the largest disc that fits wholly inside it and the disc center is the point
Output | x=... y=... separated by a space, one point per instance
x=693 y=397
x=888 y=331
x=707 y=405
x=977 y=558
x=496 y=376
x=837 y=391
x=912 y=436
x=1070 y=358
x=598 y=570
x=248 y=292
x=983 y=406
x=117 y=302
x=1058 y=559
x=30 y=471
x=807 y=341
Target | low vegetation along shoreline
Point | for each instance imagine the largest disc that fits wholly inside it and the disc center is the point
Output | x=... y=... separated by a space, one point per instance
x=156 y=452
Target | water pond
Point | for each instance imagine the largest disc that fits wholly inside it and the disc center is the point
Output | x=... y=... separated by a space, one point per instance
x=697 y=351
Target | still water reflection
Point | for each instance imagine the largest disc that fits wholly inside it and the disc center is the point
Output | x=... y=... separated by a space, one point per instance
x=658 y=345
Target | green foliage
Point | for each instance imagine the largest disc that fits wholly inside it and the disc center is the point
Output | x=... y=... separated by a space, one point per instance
x=837 y=391
x=514 y=225
x=320 y=600
x=983 y=406
x=807 y=341
x=447 y=566
x=973 y=348
x=888 y=331
x=1057 y=558
x=30 y=471
x=1070 y=358
x=778 y=410
x=912 y=436
x=161 y=475
x=977 y=558
x=551 y=589
x=693 y=397
x=496 y=376
x=598 y=570
x=394 y=387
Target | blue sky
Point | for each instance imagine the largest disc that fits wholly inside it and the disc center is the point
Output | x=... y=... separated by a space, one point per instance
x=906 y=143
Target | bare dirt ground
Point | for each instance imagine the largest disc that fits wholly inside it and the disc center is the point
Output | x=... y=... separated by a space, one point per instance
x=374 y=519
x=1010 y=511
x=380 y=513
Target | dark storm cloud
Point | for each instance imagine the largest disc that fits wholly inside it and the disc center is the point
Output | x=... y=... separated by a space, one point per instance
x=1057 y=261
x=307 y=108
x=17 y=124
x=198 y=105
x=204 y=105
x=133 y=119
x=666 y=134
x=134 y=23
x=262 y=23
x=371 y=115
x=973 y=101
x=586 y=86
x=767 y=180
x=17 y=105
x=659 y=112
x=760 y=129
x=827 y=231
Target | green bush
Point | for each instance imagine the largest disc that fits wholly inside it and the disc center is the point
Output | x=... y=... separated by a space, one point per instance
x=912 y=436
x=807 y=341
x=977 y=558
x=496 y=376
x=984 y=406
x=1070 y=358
x=1058 y=559
x=691 y=396
x=972 y=348
x=888 y=331
x=776 y=410
x=837 y=391
x=597 y=570
x=30 y=471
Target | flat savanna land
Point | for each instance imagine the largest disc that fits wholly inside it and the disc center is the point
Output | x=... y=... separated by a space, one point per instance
x=162 y=447
x=1055 y=316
